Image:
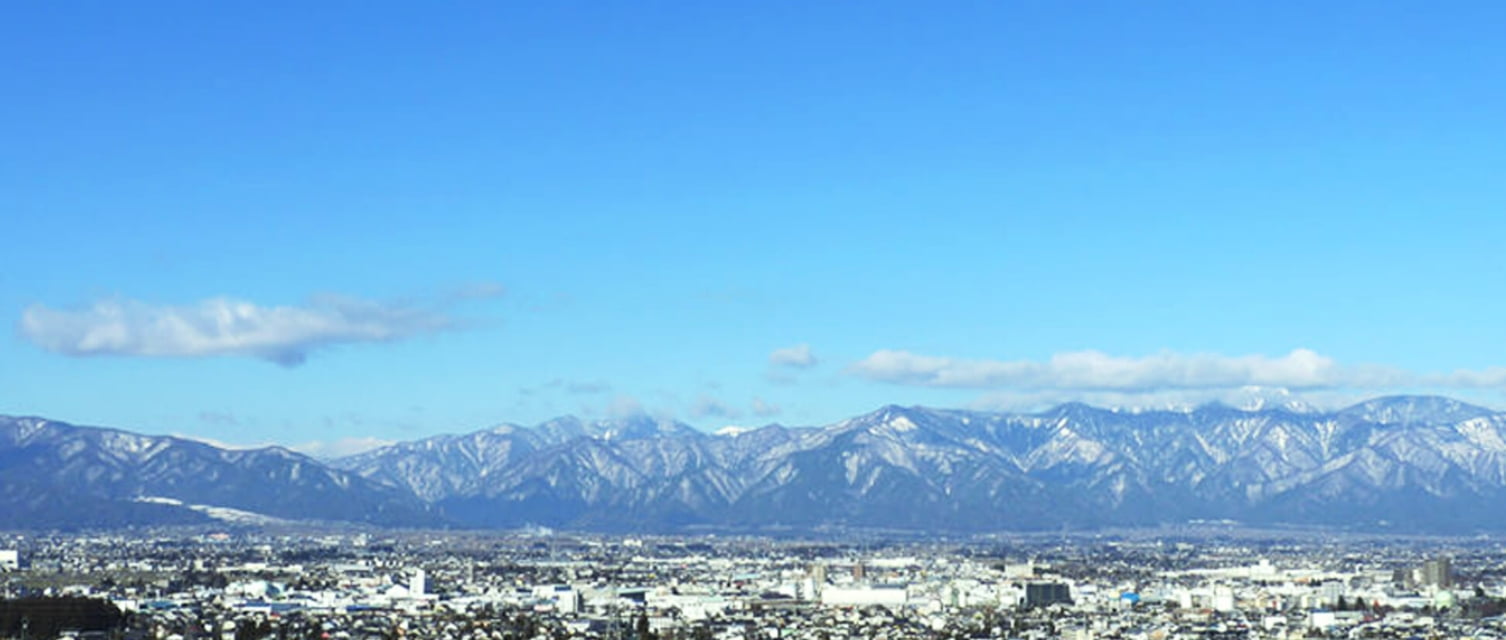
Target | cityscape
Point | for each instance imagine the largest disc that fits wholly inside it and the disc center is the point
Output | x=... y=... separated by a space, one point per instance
x=1203 y=581
x=671 y=320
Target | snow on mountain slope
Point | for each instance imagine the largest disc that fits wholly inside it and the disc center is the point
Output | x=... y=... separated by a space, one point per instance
x=70 y=470
x=1419 y=462
x=920 y=467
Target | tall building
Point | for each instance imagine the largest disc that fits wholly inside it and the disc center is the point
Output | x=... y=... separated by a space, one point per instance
x=1223 y=598
x=1331 y=591
x=1438 y=572
x=817 y=572
x=1040 y=594
x=1404 y=577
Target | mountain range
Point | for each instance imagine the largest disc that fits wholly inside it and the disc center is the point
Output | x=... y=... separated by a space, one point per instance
x=56 y=475
x=1406 y=462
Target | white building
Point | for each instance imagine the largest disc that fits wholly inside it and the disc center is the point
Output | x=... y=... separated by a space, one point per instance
x=10 y=560
x=889 y=595
x=1223 y=599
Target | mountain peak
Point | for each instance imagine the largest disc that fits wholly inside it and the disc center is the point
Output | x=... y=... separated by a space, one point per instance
x=506 y=428
x=1412 y=410
x=896 y=466
x=1074 y=410
x=633 y=427
x=905 y=418
x=58 y=474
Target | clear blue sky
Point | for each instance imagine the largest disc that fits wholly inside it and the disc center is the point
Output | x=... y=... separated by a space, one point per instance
x=507 y=211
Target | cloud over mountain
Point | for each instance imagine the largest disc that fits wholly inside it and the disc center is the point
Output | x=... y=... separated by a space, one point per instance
x=1301 y=369
x=341 y=447
x=224 y=326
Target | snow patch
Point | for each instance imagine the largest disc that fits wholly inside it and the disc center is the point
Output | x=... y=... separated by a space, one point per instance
x=223 y=514
x=901 y=423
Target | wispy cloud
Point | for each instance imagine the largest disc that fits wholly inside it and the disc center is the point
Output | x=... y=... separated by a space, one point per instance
x=219 y=418
x=625 y=407
x=323 y=449
x=1178 y=399
x=573 y=387
x=226 y=326
x=478 y=291
x=1301 y=369
x=224 y=444
x=586 y=387
x=764 y=409
x=709 y=407
x=799 y=356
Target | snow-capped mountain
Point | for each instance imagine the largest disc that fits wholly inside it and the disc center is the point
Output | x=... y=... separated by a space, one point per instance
x=54 y=474
x=1408 y=461
x=1420 y=463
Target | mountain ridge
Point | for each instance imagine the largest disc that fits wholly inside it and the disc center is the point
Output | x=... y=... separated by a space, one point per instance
x=1416 y=462
x=47 y=465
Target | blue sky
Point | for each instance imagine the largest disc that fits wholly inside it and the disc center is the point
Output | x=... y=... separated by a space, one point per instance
x=308 y=222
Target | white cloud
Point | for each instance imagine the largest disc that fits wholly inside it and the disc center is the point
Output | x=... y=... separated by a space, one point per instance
x=222 y=444
x=1089 y=371
x=323 y=449
x=224 y=327
x=797 y=357
x=330 y=449
x=1172 y=399
x=1463 y=379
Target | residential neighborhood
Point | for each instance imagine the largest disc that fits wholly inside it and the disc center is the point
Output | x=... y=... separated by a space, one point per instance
x=251 y=584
